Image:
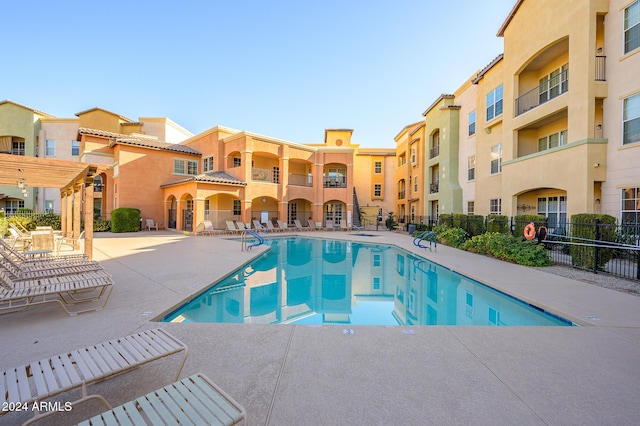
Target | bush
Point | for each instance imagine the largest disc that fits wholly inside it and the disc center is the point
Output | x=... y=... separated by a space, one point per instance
x=101 y=225
x=4 y=225
x=49 y=219
x=521 y=221
x=125 y=219
x=473 y=224
x=508 y=248
x=498 y=223
x=584 y=227
x=25 y=221
x=453 y=237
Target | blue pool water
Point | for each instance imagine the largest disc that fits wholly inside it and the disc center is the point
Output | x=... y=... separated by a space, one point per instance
x=316 y=281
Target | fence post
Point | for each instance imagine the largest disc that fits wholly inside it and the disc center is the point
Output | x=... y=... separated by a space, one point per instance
x=596 y=252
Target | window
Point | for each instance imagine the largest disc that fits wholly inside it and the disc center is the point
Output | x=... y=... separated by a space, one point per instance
x=402 y=160
x=181 y=167
x=48 y=206
x=97 y=184
x=276 y=174
x=75 y=148
x=495 y=206
x=631 y=206
x=237 y=209
x=494 y=103
x=472 y=123
x=50 y=148
x=471 y=167
x=552 y=141
x=377 y=190
x=435 y=145
x=17 y=148
x=413 y=155
x=471 y=207
x=377 y=167
x=376 y=283
x=12 y=206
x=555 y=209
x=496 y=159
x=237 y=161
x=632 y=27
x=377 y=260
x=207 y=164
x=554 y=84
x=631 y=120
x=415 y=184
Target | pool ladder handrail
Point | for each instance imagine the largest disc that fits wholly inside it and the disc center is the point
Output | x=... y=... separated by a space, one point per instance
x=243 y=238
x=430 y=235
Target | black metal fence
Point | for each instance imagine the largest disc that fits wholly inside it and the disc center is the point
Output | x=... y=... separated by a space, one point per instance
x=598 y=247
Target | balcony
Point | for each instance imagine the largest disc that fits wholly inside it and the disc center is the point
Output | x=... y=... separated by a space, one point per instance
x=434 y=188
x=434 y=152
x=601 y=62
x=264 y=175
x=544 y=92
x=300 y=180
x=337 y=182
x=401 y=195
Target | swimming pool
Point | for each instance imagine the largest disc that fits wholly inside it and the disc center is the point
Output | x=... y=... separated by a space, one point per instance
x=317 y=281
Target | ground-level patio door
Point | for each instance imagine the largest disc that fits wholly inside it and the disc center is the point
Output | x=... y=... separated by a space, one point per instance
x=334 y=211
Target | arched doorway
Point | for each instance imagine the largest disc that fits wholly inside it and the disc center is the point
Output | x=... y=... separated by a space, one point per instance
x=172 y=213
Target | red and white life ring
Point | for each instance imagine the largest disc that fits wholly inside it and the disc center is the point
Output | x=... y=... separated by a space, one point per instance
x=530 y=231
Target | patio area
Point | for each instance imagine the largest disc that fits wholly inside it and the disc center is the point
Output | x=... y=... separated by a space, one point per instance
x=318 y=375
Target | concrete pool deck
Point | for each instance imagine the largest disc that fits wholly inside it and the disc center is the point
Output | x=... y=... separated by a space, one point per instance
x=318 y=375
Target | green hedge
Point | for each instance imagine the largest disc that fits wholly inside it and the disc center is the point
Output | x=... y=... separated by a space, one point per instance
x=508 y=248
x=498 y=223
x=125 y=219
x=584 y=227
x=49 y=219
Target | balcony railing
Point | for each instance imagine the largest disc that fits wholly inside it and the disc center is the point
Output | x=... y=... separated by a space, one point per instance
x=544 y=92
x=434 y=152
x=434 y=188
x=401 y=195
x=339 y=182
x=300 y=180
x=264 y=175
x=601 y=74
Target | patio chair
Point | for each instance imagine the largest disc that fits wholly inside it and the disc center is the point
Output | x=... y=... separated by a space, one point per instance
x=87 y=287
x=313 y=226
x=205 y=228
x=329 y=226
x=26 y=270
x=258 y=226
x=299 y=226
x=22 y=258
x=18 y=240
x=193 y=400
x=272 y=228
x=151 y=224
x=74 y=244
x=76 y=369
x=20 y=229
x=240 y=227
x=231 y=227
x=283 y=225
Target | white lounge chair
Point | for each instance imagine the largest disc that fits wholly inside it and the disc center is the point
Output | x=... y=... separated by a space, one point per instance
x=283 y=225
x=272 y=228
x=299 y=226
x=192 y=400
x=68 y=290
x=27 y=270
x=75 y=369
x=231 y=227
x=258 y=226
x=313 y=226
x=151 y=224
x=329 y=226
x=71 y=243
x=205 y=228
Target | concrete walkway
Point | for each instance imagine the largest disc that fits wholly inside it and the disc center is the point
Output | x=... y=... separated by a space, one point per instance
x=318 y=375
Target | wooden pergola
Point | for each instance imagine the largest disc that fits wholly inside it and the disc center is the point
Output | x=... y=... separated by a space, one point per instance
x=73 y=178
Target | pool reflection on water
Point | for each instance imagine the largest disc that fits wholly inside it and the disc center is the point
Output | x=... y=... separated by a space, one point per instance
x=317 y=281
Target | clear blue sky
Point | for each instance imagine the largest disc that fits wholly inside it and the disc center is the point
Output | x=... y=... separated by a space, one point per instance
x=286 y=69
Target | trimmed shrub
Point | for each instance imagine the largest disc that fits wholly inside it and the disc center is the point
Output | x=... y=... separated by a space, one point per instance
x=24 y=221
x=585 y=227
x=521 y=221
x=101 y=225
x=49 y=219
x=508 y=248
x=445 y=219
x=473 y=224
x=125 y=219
x=453 y=237
x=4 y=225
x=498 y=223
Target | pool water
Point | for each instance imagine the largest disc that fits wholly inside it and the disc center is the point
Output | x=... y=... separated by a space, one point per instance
x=318 y=281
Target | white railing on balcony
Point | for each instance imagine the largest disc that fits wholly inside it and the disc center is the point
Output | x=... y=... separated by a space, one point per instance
x=544 y=92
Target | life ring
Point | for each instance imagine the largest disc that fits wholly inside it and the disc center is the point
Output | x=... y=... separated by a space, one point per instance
x=530 y=231
x=542 y=233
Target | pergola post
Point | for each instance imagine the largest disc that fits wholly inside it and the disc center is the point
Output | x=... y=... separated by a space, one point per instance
x=63 y=212
x=77 y=204
x=69 y=220
x=88 y=217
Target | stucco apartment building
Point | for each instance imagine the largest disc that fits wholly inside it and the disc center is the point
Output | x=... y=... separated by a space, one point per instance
x=551 y=126
x=180 y=180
